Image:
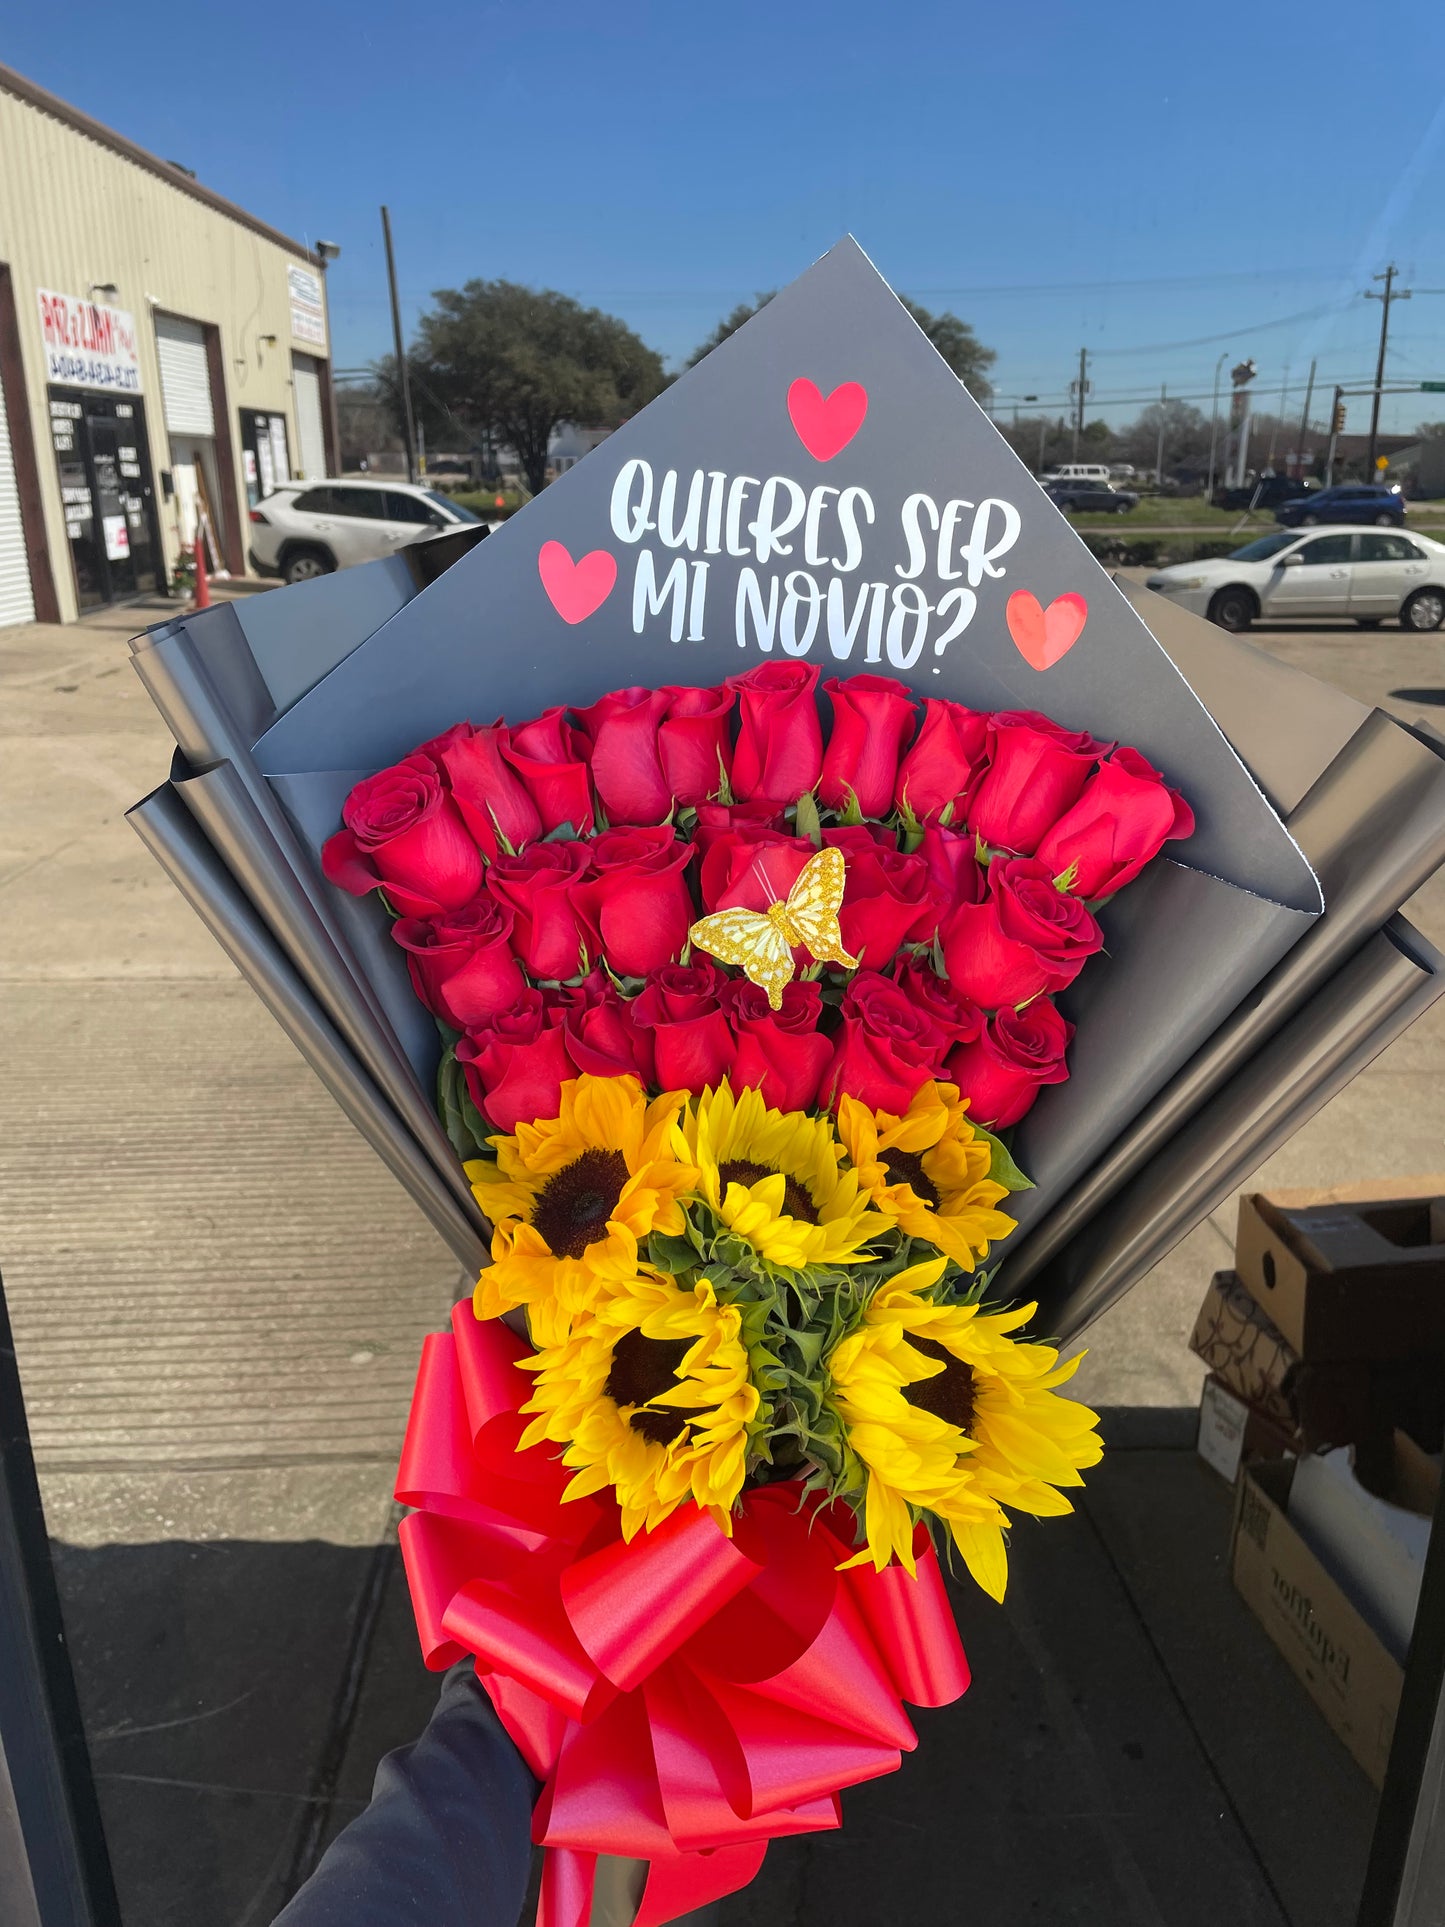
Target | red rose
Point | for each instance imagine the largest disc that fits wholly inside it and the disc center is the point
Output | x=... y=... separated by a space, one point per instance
x=516 y=1065
x=749 y=869
x=954 y=870
x=626 y=761
x=945 y=763
x=601 y=1036
x=696 y=743
x=492 y=798
x=888 y=898
x=550 y=756
x=779 y=750
x=403 y=835
x=718 y=819
x=778 y=1051
x=550 y=930
x=1026 y=936
x=872 y=719
x=461 y=964
x=1035 y=772
x=1002 y=1071
x=885 y=1049
x=692 y=1040
x=959 y=1020
x=636 y=898
x=1125 y=816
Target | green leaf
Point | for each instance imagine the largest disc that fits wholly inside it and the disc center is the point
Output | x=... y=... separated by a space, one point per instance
x=1002 y=1169
x=807 y=822
x=564 y=833
x=724 y=785
x=1066 y=879
x=850 y=816
x=454 y=1104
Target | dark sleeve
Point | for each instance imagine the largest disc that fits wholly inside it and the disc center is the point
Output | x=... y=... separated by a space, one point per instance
x=446 y=1841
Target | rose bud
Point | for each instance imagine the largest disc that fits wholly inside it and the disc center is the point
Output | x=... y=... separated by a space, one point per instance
x=695 y=739
x=945 y=763
x=461 y=963
x=635 y=897
x=1002 y=1070
x=1036 y=771
x=601 y=1036
x=692 y=1040
x=494 y=801
x=550 y=930
x=778 y=1051
x=953 y=868
x=626 y=762
x=888 y=898
x=550 y=756
x=1025 y=937
x=404 y=835
x=717 y=819
x=779 y=751
x=872 y=719
x=959 y=1020
x=749 y=869
x=1124 y=817
x=516 y=1065
x=887 y=1047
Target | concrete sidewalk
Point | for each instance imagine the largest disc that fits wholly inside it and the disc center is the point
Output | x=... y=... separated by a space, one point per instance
x=218 y=1298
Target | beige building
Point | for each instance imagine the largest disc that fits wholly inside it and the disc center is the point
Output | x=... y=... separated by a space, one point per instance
x=164 y=363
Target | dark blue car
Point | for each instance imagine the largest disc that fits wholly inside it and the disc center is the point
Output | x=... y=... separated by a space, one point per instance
x=1356 y=502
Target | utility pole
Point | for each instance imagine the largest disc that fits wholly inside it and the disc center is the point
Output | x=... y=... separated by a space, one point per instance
x=1214 y=426
x=1043 y=431
x=1389 y=294
x=407 y=424
x=1159 y=445
x=1304 y=420
x=1083 y=389
x=1337 y=422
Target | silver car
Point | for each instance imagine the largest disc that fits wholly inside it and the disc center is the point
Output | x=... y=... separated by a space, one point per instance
x=1365 y=574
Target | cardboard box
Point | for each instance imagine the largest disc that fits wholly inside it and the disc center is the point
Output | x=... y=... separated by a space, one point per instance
x=1233 y=1432
x=1362 y=1277
x=1344 y=1665
x=1319 y=1403
x=1370 y=1528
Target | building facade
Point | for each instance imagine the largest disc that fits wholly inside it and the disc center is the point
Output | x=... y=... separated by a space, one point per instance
x=164 y=363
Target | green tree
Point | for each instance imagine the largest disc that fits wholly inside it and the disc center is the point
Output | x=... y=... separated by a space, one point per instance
x=954 y=340
x=521 y=361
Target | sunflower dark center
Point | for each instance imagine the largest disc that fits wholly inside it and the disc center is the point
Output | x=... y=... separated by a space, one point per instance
x=642 y=1369
x=906 y=1167
x=796 y=1200
x=949 y=1395
x=575 y=1203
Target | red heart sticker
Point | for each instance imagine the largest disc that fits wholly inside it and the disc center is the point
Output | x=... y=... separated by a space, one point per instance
x=1042 y=636
x=826 y=423
x=576 y=589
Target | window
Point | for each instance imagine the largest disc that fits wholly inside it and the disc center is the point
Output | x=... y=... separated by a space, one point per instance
x=452 y=507
x=1328 y=548
x=364 y=504
x=1266 y=546
x=406 y=508
x=1388 y=548
x=318 y=501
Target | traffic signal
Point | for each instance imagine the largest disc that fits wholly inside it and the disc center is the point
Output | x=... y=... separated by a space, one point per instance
x=1337 y=424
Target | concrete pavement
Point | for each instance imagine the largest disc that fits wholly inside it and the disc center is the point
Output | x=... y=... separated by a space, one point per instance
x=218 y=1298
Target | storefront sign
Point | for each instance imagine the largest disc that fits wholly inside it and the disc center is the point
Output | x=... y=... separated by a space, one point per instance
x=308 y=306
x=86 y=345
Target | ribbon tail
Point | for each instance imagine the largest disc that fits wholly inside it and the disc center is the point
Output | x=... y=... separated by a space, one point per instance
x=566 y=1897
x=678 y=1884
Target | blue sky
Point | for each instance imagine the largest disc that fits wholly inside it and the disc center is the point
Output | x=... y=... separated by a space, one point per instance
x=1159 y=184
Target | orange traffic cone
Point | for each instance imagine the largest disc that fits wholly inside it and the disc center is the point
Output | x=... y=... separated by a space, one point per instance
x=203 y=587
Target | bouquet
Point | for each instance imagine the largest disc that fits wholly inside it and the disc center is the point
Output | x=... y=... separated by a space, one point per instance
x=733 y=1017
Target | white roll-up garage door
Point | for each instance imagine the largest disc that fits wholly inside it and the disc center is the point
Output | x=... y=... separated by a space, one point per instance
x=16 y=601
x=185 y=377
x=306 y=381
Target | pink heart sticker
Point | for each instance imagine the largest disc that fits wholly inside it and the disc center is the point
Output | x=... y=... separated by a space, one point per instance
x=576 y=589
x=1042 y=636
x=826 y=423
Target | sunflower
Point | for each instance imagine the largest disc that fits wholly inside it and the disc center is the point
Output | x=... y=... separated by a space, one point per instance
x=952 y=1415
x=650 y=1394
x=571 y=1199
x=928 y=1171
x=772 y=1177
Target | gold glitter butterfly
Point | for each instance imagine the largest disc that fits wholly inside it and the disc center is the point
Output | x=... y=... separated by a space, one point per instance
x=762 y=941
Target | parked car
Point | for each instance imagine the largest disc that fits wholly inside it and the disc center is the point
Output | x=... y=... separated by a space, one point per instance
x=1092 y=498
x=1075 y=472
x=1355 y=502
x=308 y=529
x=1366 y=574
x=1265 y=492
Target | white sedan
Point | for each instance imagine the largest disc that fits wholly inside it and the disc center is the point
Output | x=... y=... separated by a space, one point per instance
x=1363 y=574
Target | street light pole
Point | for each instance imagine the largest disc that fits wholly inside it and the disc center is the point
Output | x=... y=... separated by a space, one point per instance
x=1159 y=445
x=407 y=424
x=1390 y=293
x=1079 y=406
x=1214 y=424
x=1304 y=420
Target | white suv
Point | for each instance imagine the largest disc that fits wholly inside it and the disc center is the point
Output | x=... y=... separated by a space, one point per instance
x=310 y=528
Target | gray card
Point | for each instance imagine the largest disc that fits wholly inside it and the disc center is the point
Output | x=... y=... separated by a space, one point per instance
x=820 y=486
